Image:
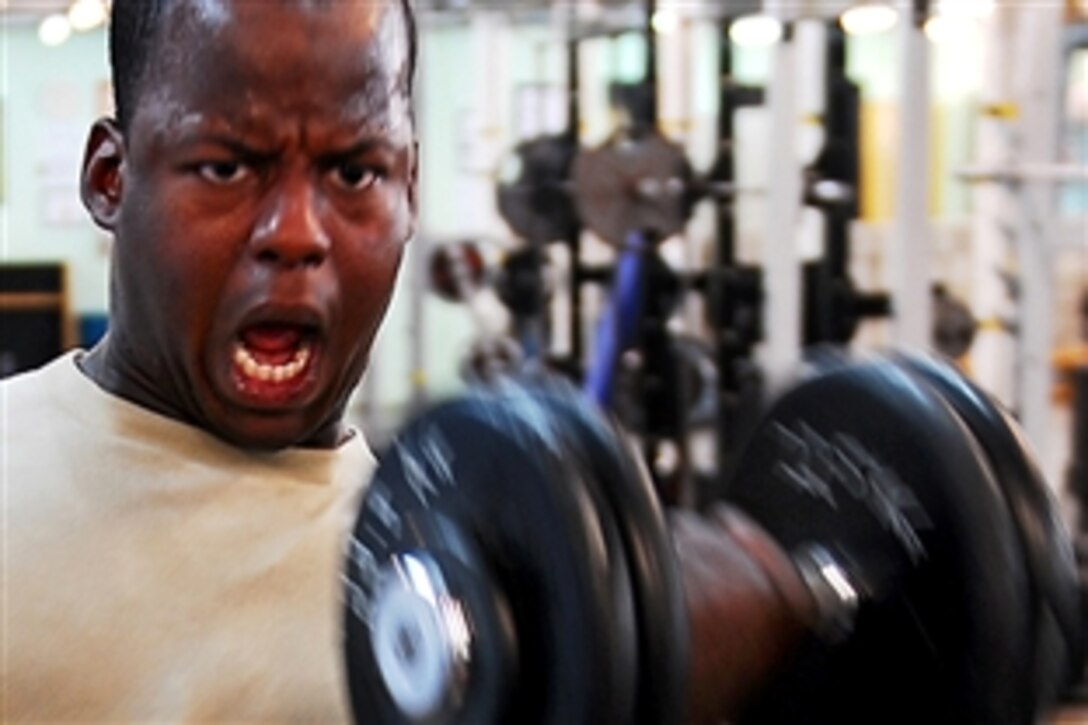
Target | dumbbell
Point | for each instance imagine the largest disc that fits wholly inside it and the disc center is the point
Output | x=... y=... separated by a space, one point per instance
x=1048 y=546
x=510 y=563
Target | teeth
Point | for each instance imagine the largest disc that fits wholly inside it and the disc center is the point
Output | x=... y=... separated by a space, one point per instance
x=272 y=373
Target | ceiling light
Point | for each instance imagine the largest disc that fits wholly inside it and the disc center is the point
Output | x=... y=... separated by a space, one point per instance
x=54 y=29
x=869 y=19
x=753 y=31
x=974 y=9
x=666 y=22
x=942 y=29
x=86 y=14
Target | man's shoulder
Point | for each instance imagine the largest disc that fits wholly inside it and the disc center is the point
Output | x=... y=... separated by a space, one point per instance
x=48 y=379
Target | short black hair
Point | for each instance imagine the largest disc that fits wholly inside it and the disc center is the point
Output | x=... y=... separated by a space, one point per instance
x=132 y=35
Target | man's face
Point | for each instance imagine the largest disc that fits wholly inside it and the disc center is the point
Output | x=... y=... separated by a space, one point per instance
x=265 y=196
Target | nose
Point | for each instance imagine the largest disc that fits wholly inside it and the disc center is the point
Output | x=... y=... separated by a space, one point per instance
x=289 y=232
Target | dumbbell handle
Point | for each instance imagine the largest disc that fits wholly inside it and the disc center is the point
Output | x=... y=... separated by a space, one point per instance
x=749 y=608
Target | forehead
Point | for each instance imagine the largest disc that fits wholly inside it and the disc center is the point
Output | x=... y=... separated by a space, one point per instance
x=347 y=15
x=351 y=52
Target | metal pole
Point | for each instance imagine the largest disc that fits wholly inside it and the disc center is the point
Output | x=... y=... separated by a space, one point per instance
x=574 y=243
x=912 y=244
x=1039 y=47
x=782 y=270
x=991 y=237
x=651 y=65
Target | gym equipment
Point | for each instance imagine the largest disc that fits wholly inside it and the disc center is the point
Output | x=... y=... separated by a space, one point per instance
x=682 y=389
x=457 y=271
x=533 y=194
x=636 y=355
x=458 y=274
x=637 y=182
x=640 y=183
x=618 y=328
x=872 y=466
x=525 y=284
x=833 y=305
x=492 y=359
x=1052 y=565
x=510 y=563
x=734 y=290
x=488 y=484
x=954 y=327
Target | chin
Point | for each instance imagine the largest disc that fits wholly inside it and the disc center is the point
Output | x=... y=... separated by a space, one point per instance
x=267 y=435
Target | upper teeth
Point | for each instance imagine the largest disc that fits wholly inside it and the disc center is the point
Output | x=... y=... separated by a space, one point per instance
x=266 y=373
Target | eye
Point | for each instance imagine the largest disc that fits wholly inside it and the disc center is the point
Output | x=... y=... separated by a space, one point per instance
x=223 y=172
x=355 y=176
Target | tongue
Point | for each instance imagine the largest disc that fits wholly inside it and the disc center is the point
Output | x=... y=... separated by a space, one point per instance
x=272 y=343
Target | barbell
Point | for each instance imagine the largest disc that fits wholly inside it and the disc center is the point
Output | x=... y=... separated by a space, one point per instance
x=510 y=562
x=636 y=181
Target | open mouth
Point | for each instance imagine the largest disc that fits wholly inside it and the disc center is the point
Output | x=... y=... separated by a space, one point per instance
x=273 y=359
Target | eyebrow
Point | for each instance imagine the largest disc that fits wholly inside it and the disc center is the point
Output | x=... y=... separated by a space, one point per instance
x=368 y=144
x=364 y=146
x=229 y=142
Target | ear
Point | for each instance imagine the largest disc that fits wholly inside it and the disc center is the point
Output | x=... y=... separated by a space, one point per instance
x=102 y=182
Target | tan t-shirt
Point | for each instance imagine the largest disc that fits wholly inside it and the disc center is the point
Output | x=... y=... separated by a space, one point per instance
x=154 y=573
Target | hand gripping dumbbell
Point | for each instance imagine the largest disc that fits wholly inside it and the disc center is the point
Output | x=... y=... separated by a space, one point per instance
x=510 y=564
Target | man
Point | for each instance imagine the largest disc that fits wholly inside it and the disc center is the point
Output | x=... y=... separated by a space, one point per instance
x=176 y=498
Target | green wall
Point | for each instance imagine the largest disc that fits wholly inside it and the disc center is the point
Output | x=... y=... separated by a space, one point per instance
x=50 y=97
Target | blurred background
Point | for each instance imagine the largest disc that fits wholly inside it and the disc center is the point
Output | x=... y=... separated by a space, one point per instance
x=868 y=175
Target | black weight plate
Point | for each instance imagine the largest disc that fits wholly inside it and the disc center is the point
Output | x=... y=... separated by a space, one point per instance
x=475 y=475
x=574 y=426
x=872 y=465
x=533 y=196
x=493 y=655
x=526 y=283
x=633 y=184
x=662 y=631
x=1049 y=548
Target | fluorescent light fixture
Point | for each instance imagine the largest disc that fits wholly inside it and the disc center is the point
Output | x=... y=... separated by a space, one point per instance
x=666 y=22
x=755 y=31
x=54 y=29
x=952 y=19
x=869 y=19
x=943 y=29
x=86 y=15
x=973 y=9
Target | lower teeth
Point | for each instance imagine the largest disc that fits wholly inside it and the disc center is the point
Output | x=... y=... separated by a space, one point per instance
x=271 y=373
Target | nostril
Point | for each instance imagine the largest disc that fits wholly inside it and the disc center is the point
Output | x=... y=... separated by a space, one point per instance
x=279 y=258
x=267 y=256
